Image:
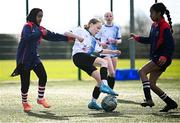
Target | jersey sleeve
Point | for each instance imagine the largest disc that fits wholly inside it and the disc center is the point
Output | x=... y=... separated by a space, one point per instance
x=51 y=36
x=98 y=48
x=145 y=40
x=94 y=47
x=78 y=31
x=118 y=35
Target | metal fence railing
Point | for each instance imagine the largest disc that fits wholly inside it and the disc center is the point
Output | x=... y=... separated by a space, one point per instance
x=62 y=50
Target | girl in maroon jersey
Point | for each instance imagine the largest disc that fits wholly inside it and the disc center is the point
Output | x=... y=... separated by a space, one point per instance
x=162 y=48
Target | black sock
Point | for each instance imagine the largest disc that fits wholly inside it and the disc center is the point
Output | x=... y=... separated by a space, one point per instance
x=111 y=82
x=103 y=73
x=96 y=92
x=166 y=98
x=146 y=89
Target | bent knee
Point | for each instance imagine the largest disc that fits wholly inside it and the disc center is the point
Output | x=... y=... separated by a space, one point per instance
x=142 y=72
x=152 y=85
x=104 y=63
x=112 y=74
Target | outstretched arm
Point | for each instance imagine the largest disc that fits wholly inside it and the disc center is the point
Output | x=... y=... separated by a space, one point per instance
x=70 y=34
x=106 y=51
x=114 y=41
x=143 y=40
x=51 y=36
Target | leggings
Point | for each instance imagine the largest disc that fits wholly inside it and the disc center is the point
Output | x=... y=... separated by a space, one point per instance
x=25 y=77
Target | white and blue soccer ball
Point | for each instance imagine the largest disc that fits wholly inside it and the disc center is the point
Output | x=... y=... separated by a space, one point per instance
x=109 y=103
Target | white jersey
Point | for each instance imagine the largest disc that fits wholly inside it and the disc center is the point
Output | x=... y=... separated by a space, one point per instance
x=89 y=44
x=109 y=32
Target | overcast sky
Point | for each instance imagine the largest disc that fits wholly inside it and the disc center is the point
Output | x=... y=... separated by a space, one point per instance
x=61 y=15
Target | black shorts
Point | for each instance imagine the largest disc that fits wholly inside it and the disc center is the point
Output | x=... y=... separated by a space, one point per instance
x=164 y=66
x=85 y=62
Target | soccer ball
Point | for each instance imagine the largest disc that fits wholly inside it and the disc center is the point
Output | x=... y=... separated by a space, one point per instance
x=109 y=103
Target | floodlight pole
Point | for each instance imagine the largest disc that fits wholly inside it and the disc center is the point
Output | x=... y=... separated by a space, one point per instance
x=27 y=7
x=79 y=24
x=79 y=13
x=111 y=5
x=132 y=43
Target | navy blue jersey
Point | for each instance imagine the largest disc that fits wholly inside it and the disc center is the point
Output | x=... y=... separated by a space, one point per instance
x=31 y=36
x=160 y=39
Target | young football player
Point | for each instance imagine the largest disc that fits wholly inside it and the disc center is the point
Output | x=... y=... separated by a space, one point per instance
x=85 y=44
x=161 y=52
x=28 y=58
x=109 y=37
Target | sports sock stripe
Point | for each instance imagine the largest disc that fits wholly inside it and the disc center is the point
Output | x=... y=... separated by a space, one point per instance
x=163 y=96
x=41 y=91
x=24 y=97
x=146 y=89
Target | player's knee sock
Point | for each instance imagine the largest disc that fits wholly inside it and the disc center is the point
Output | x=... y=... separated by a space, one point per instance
x=25 y=82
x=24 y=97
x=166 y=98
x=96 y=93
x=103 y=73
x=111 y=81
x=146 y=89
x=41 y=90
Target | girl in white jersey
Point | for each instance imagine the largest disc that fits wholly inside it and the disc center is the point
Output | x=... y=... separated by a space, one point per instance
x=84 y=46
x=109 y=37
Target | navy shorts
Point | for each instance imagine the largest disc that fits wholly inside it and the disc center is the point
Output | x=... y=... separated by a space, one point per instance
x=164 y=66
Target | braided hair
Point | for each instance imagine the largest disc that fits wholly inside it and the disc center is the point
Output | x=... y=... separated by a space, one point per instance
x=160 y=7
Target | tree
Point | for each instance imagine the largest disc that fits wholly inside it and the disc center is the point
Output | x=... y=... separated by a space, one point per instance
x=142 y=23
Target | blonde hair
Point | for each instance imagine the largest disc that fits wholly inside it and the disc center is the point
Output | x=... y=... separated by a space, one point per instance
x=92 y=21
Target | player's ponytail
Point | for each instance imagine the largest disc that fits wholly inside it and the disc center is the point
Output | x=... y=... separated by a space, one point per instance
x=169 y=19
x=92 y=21
x=86 y=26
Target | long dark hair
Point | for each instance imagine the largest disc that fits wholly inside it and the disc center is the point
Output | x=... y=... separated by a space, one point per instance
x=32 y=15
x=160 y=7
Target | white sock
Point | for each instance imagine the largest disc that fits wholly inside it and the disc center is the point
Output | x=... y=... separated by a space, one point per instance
x=98 y=84
x=93 y=100
x=105 y=82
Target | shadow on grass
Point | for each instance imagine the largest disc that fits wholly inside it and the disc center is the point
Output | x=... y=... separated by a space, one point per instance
x=128 y=102
x=47 y=115
x=52 y=116
x=167 y=114
x=108 y=114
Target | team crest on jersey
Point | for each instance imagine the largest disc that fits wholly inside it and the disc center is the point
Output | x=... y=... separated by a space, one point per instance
x=84 y=48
